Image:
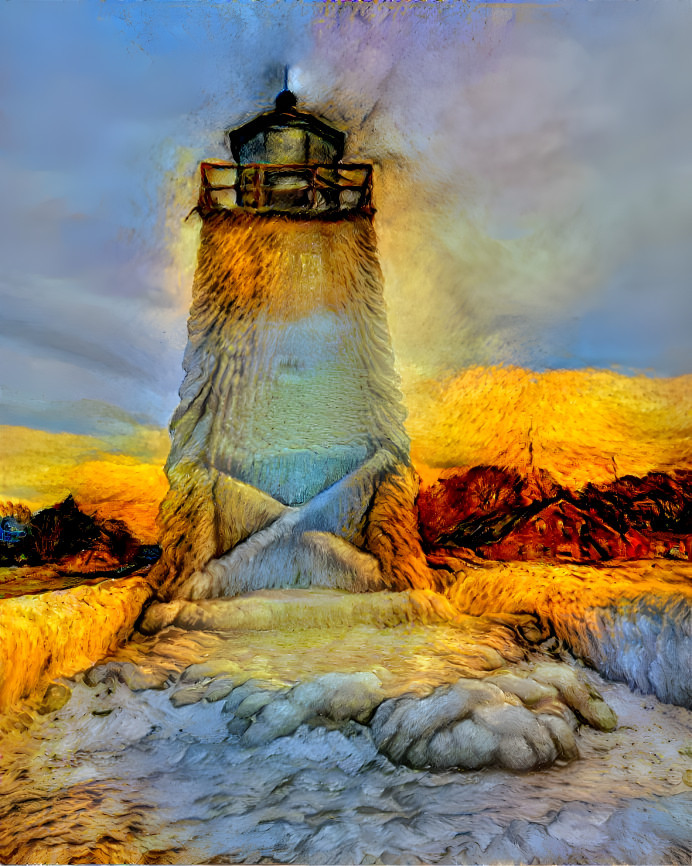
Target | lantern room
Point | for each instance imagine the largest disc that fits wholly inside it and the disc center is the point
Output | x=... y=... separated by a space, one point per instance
x=286 y=136
x=286 y=161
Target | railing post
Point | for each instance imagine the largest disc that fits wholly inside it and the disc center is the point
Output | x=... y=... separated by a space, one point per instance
x=204 y=202
x=366 y=191
x=238 y=186
x=256 y=188
x=313 y=187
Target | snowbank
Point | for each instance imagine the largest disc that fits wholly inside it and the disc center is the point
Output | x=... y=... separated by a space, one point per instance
x=60 y=633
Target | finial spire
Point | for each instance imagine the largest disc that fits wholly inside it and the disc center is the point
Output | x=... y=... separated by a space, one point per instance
x=286 y=100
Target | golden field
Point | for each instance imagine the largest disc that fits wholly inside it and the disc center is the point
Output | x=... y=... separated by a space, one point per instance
x=583 y=425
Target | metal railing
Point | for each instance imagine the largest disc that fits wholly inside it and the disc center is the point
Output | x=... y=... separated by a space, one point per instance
x=265 y=188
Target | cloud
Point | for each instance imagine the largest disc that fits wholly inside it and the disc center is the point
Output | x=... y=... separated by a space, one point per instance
x=532 y=177
x=525 y=162
x=107 y=116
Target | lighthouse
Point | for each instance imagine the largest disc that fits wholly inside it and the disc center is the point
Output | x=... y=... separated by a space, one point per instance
x=289 y=462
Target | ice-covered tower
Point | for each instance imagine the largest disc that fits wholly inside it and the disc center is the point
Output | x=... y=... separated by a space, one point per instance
x=289 y=461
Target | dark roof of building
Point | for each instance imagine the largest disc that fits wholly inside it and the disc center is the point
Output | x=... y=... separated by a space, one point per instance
x=285 y=114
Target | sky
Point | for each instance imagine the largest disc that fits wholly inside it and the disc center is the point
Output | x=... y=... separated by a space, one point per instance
x=532 y=181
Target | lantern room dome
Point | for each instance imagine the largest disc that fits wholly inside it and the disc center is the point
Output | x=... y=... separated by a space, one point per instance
x=286 y=136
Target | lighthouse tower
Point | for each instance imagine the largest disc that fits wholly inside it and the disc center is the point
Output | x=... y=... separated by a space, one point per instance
x=289 y=463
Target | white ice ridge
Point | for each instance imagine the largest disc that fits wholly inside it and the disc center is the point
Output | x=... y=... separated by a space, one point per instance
x=311 y=545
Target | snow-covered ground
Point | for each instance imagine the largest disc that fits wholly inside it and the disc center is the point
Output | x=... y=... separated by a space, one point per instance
x=123 y=773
